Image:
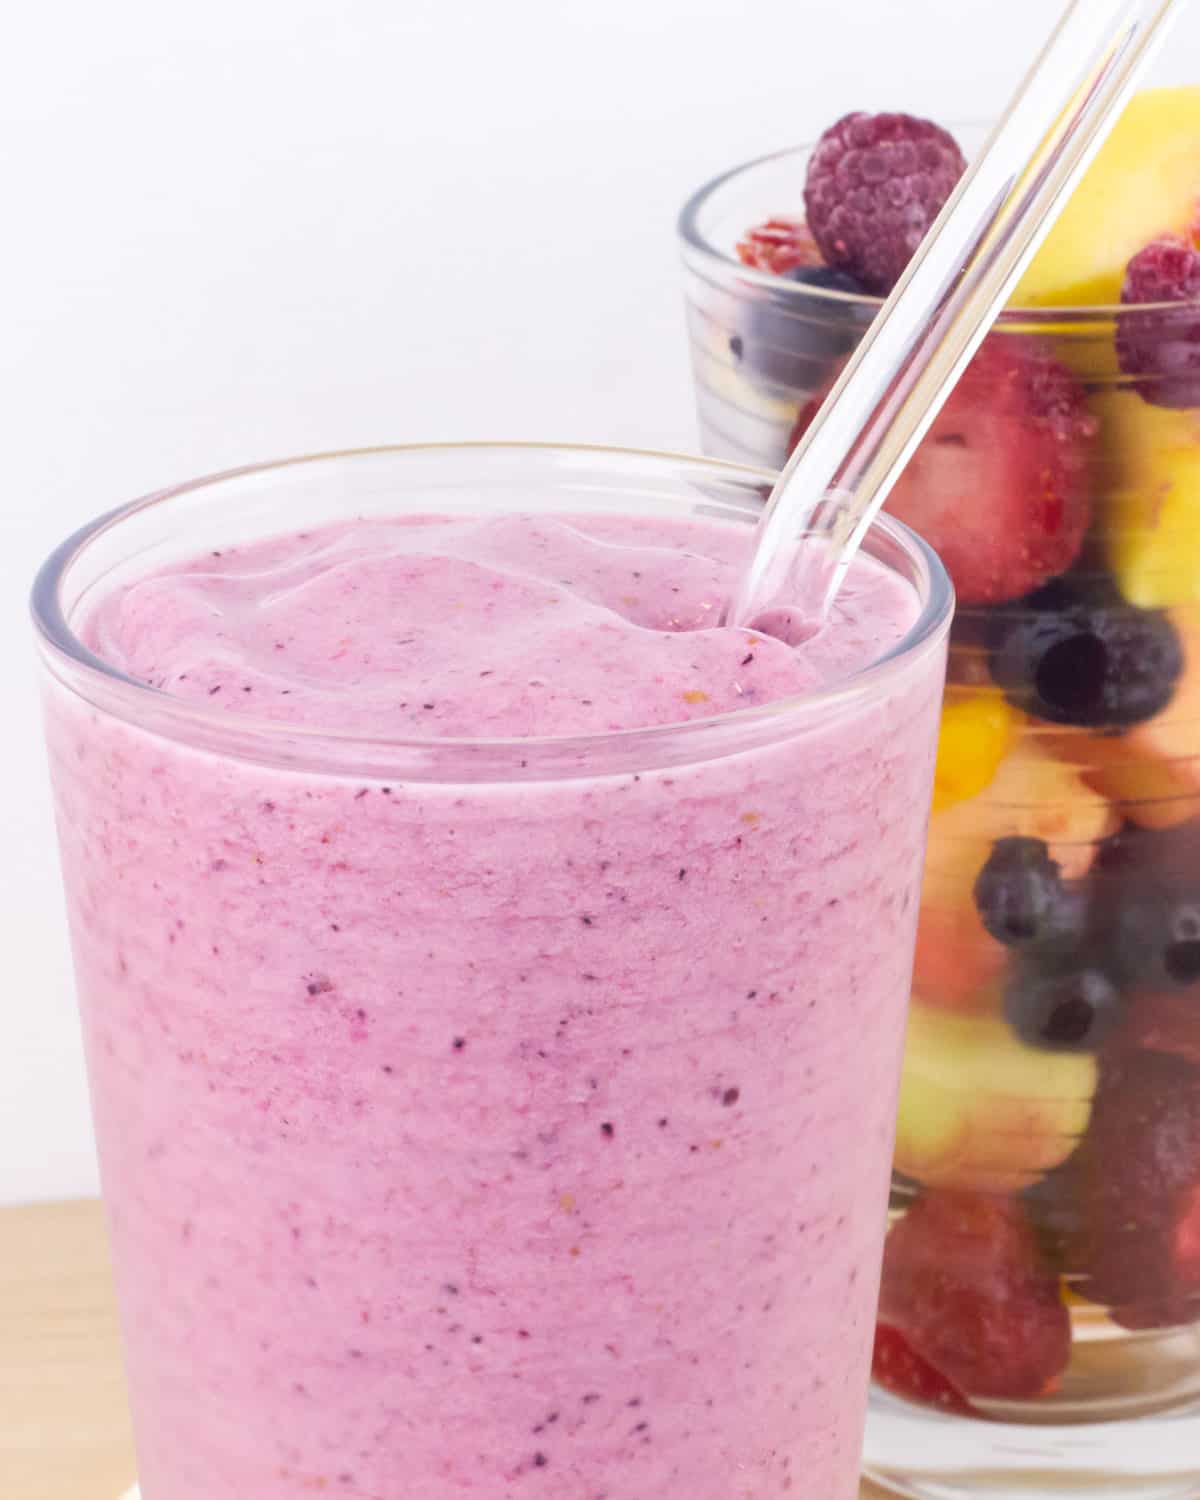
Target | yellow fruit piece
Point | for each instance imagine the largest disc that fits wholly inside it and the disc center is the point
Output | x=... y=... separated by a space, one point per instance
x=1150 y=515
x=1033 y=794
x=1144 y=182
x=981 y=1110
x=1071 y=1297
x=975 y=736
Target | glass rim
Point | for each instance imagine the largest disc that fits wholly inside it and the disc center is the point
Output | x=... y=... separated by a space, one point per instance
x=90 y=677
x=699 y=248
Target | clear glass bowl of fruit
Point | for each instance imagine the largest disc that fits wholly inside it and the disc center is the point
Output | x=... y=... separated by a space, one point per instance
x=1043 y=1263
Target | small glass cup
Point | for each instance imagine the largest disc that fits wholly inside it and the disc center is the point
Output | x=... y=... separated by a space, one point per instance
x=1051 y=1096
x=499 y=1114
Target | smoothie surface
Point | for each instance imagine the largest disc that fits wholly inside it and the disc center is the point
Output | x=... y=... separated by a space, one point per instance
x=493 y=627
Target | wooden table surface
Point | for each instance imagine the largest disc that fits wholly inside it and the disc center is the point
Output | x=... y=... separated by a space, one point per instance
x=64 y=1423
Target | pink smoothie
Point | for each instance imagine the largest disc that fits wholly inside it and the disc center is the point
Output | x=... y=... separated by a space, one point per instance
x=520 y=1138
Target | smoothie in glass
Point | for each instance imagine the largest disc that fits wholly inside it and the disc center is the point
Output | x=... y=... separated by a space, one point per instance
x=493 y=974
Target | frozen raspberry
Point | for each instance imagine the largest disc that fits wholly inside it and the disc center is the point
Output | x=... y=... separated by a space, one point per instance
x=899 y=1369
x=1139 y=1190
x=875 y=185
x=779 y=245
x=966 y=1283
x=1002 y=486
x=1161 y=348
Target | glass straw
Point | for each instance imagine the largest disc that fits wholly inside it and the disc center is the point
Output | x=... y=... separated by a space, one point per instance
x=926 y=332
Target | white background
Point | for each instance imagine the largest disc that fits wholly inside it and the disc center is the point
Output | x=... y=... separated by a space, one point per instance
x=237 y=229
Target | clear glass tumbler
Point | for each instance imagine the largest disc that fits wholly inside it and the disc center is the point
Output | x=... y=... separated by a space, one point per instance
x=1045 y=1250
x=490 y=1116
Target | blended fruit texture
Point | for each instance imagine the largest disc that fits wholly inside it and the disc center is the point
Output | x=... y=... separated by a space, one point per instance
x=508 y=1139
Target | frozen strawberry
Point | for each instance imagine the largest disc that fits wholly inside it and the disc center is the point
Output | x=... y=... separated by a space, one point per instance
x=1185 y=1242
x=1163 y=1022
x=966 y=1283
x=1139 y=1190
x=1001 y=485
x=779 y=246
x=900 y=1369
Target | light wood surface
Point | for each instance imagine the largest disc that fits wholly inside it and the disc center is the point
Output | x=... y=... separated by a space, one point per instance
x=64 y=1423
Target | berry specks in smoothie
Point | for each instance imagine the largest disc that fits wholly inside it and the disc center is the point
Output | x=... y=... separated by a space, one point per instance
x=593 y=625
x=432 y=1186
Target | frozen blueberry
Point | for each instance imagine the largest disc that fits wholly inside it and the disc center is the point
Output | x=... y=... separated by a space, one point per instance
x=1076 y=653
x=1067 y=1007
x=790 y=340
x=1022 y=898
